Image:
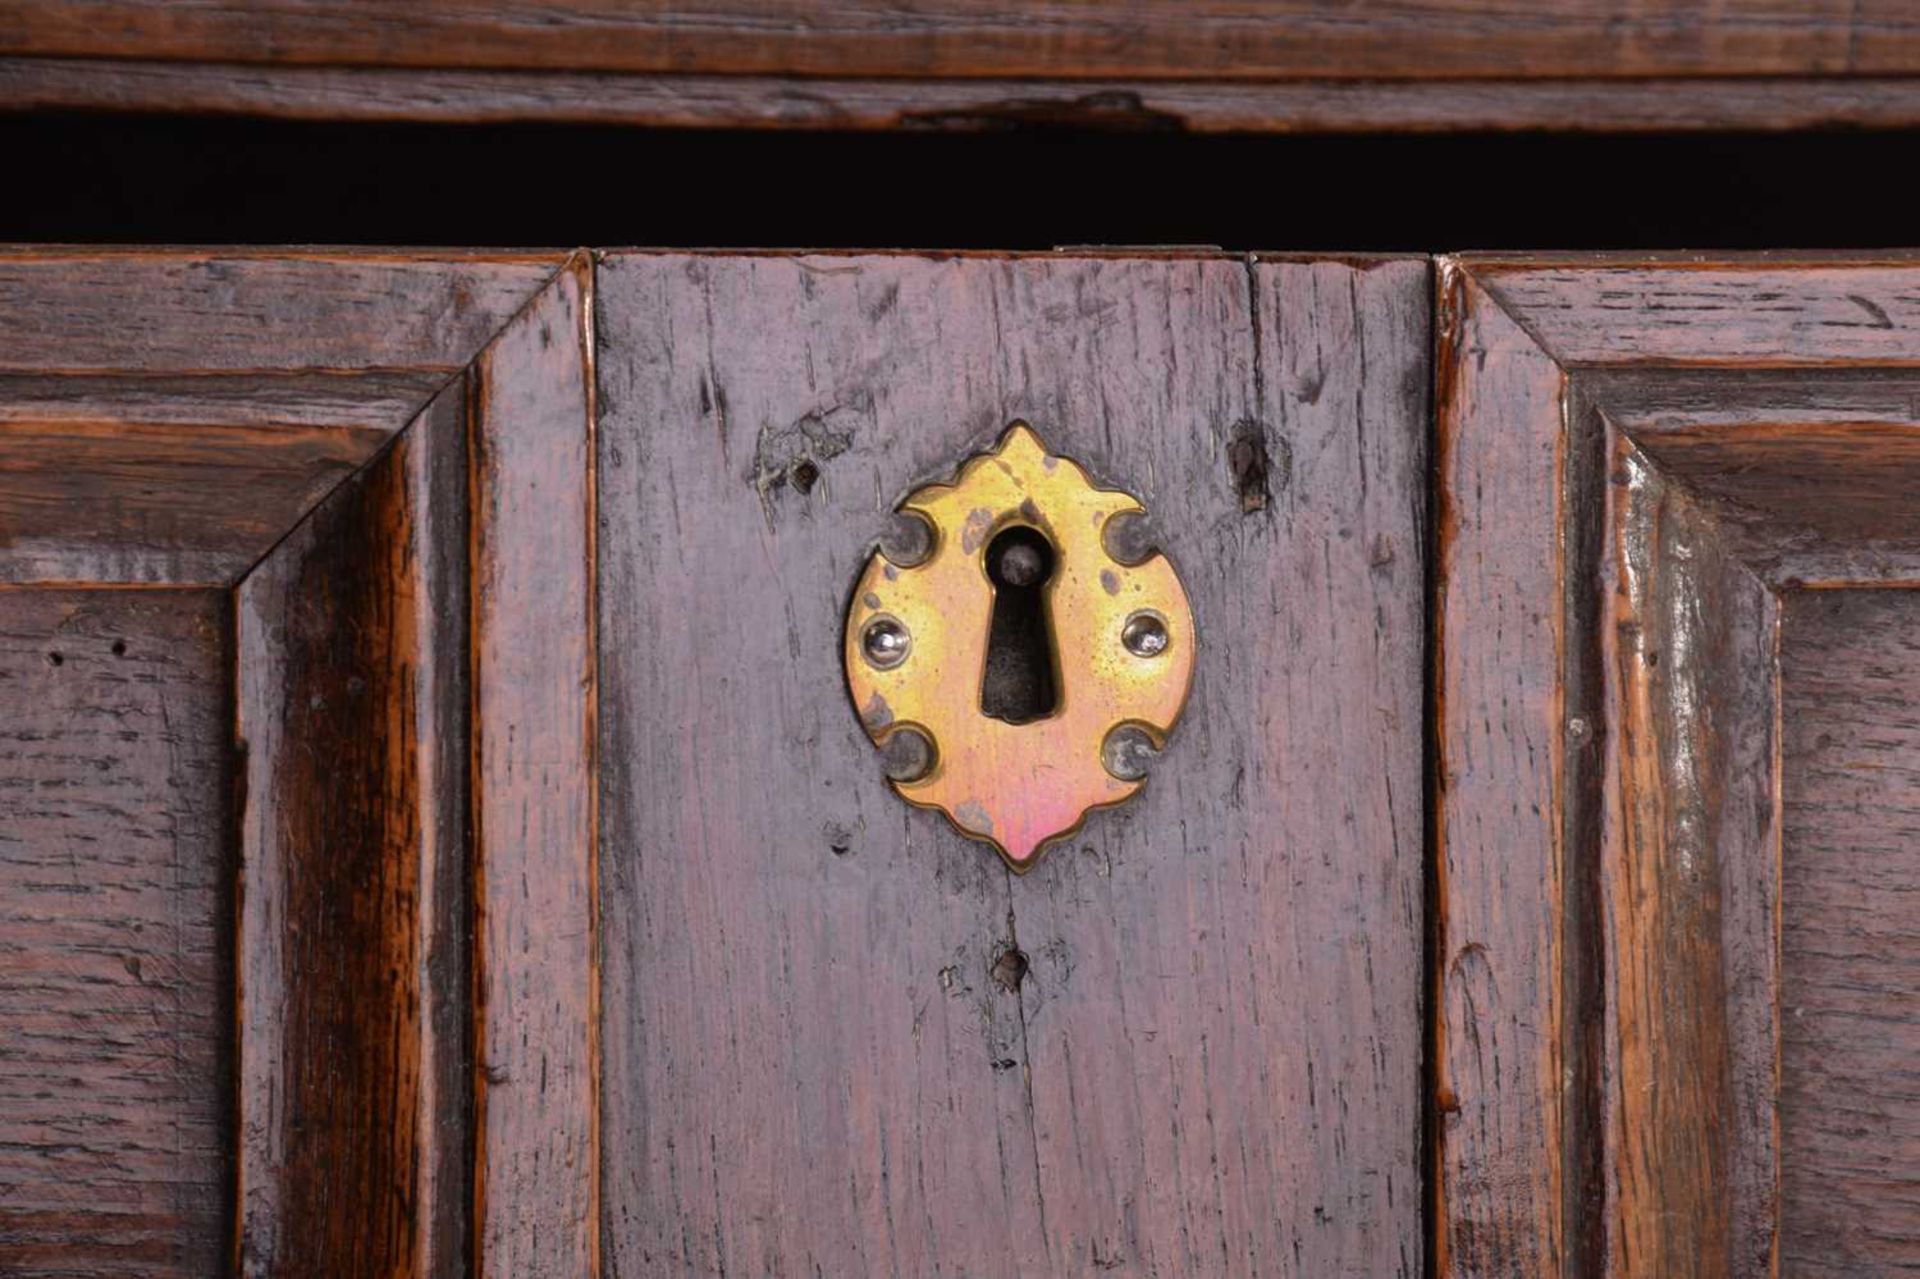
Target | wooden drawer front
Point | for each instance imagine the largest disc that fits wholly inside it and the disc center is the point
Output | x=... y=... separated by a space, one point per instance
x=436 y=838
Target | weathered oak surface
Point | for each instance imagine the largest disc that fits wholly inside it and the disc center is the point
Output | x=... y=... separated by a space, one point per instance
x=167 y=417
x=183 y=478
x=536 y=956
x=841 y=1039
x=306 y=892
x=116 y=988
x=1501 y=1019
x=105 y=312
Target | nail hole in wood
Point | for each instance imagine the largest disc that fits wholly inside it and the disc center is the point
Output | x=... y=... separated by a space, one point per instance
x=1248 y=463
x=1010 y=969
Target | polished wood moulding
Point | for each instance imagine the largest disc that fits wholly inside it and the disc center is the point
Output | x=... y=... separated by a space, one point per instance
x=1676 y=946
x=1163 y=39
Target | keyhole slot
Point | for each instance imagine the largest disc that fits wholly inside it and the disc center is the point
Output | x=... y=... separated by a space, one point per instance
x=1019 y=683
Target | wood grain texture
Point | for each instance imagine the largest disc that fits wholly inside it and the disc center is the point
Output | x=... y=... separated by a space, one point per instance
x=1850 y=941
x=1239 y=39
x=1718 y=103
x=822 y=1054
x=167 y=416
x=116 y=852
x=1747 y=311
x=1807 y=503
x=364 y=399
x=1687 y=837
x=354 y=1154
x=180 y=478
x=1503 y=1043
x=105 y=312
x=536 y=966
x=1638 y=457
x=119 y=501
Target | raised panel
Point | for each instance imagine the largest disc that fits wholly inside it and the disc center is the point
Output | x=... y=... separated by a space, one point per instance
x=352 y=721
x=1675 y=571
x=254 y=509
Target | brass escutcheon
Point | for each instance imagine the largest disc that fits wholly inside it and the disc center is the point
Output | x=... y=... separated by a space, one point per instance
x=1121 y=640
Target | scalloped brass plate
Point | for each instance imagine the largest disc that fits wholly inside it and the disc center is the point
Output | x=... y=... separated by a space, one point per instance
x=1019 y=786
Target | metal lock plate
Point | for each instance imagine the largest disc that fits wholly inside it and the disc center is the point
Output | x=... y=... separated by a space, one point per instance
x=1120 y=637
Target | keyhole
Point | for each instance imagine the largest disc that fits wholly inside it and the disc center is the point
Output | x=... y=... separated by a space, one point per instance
x=1018 y=685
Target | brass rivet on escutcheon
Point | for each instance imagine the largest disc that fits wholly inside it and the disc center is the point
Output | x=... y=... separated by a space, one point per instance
x=1019 y=765
x=885 y=643
x=1145 y=634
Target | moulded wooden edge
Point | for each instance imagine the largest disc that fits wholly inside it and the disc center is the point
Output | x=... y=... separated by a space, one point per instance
x=501 y=1081
x=534 y=701
x=1605 y=1025
x=373 y=1164
x=1206 y=38
x=1306 y=105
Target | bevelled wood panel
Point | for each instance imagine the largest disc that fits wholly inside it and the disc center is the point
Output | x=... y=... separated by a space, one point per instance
x=116 y=872
x=841 y=1039
x=352 y=721
x=1675 y=495
x=200 y=503
x=322 y=441
x=181 y=478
